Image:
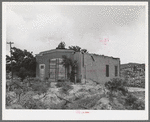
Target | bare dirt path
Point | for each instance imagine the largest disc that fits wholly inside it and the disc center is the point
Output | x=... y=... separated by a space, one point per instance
x=135 y=89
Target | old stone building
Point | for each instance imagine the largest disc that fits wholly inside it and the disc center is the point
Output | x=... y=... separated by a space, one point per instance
x=94 y=67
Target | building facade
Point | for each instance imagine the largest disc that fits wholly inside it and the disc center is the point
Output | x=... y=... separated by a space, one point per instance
x=94 y=67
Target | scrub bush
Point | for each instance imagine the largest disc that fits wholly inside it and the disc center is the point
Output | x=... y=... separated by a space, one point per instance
x=132 y=103
x=40 y=87
x=78 y=80
x=138 y=105
x=116 y=84
x=130 y=100
x=62 y=84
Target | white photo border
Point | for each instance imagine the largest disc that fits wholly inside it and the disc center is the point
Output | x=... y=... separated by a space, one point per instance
x=71 y=114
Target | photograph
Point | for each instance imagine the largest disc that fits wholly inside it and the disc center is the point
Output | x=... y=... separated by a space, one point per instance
x=82 y=57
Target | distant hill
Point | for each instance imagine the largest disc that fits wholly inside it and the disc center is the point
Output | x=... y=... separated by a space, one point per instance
x=134 y=74
x=131 y=65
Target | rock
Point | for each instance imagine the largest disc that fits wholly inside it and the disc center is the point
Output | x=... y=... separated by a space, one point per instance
x=59 y=105
x=117 y=105
x=87 y=102
x=80 y=95
x=104 y=100
x=53 y=85
x=26 y=97
x=102 y=104
x=102 y=107
x=14 y=106
x=11 y=97
x=92 y=91
x=71 y=97
x=76 y=88
x=11 y=94
x=98 y=87
x=14 y=101
x=50 y=98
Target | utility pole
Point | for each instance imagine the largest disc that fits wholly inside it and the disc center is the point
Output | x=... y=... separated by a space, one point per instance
x=85 y=74
x=10 y=43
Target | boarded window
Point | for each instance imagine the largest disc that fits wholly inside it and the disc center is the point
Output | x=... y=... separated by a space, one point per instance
x=116 y=70
x=107 y=70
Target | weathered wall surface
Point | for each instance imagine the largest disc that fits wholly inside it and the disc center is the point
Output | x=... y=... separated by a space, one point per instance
x=44 y=59
x=94 y=67
x=77 y=57
x=90 y=66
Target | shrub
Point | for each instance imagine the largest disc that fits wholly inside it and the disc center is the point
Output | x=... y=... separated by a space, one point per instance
x=22 y=73
x=133 y=103
x=35 y=80
x=40 y=87
x=78 y=80
x=61 y=84
x=116 y=84
x=18 y=87
x=130 y=100
x=61 y=80
x=138 y=105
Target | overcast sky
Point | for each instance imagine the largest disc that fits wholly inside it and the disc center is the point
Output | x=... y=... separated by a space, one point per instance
x=117 y=31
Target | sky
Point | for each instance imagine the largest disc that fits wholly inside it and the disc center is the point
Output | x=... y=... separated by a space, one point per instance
x=112 y=30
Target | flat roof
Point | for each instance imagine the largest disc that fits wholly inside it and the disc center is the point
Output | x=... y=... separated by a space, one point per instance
x=69 y=50
x=103 y=56
x=54 y=50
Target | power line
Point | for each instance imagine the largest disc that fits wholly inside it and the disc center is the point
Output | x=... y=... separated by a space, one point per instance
x=10 y=43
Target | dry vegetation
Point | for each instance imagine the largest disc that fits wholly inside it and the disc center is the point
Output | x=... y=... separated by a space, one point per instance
x=36 y=94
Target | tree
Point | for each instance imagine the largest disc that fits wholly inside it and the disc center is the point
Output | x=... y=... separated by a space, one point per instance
x=22 y=73
x=23 y=63
x=78 y=49
x=75 y=48
x=84 y=50
x=67 y=63
x=61 y=45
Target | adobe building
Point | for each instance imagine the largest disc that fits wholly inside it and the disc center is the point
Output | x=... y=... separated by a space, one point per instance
x=94 y=67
